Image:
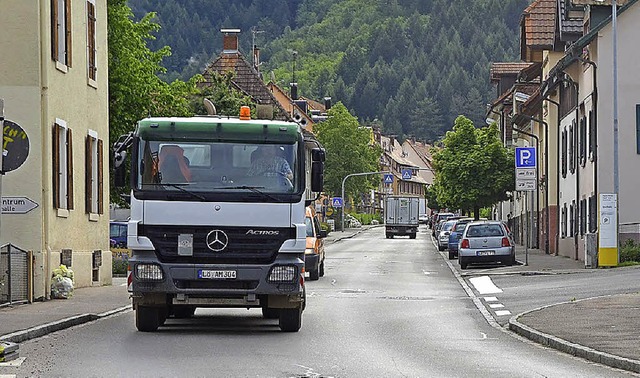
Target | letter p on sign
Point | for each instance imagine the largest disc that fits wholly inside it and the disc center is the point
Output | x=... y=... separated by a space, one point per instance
x=525 y=157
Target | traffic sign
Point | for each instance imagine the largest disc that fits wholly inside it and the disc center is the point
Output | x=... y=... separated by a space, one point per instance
x=329 y=211
x=336 y=201
x=388 y=178
x=406 y=174
x=15 y=146
x=525 y=185
x=17 y=205
x=526 y=157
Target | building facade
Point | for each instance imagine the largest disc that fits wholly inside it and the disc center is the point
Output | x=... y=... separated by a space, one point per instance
x=53 y=79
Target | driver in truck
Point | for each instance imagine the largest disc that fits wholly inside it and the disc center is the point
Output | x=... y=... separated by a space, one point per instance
x=268 y=163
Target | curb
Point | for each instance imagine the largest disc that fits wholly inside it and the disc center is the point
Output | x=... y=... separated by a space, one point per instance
x=569 y=347
x=58 y=325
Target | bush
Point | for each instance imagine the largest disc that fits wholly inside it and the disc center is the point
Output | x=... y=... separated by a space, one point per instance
x=367 y=218
x=120 y=263
x=629 y=251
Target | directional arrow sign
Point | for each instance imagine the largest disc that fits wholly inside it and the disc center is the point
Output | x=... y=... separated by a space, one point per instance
x=17 y=205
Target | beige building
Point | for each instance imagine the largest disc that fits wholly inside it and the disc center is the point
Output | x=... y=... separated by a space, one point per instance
x=53 y=79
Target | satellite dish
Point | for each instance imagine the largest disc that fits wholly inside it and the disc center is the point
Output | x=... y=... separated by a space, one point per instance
x=211 y=109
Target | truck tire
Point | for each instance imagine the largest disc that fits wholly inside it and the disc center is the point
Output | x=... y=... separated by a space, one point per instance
x=290 y=319
x=314 y=275
x=322 y=269
x=147 y=318
x=270 y=313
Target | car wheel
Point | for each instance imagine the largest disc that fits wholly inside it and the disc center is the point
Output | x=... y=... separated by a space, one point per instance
x=183 y=312
x=322 y=268
x=451 y=255
x=463 y=263
x=440 y=248
x=147 y=318
x=290 y=319
x=412 y=236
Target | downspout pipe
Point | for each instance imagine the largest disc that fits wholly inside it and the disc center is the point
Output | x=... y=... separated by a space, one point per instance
x=557 y=241
x=546 y=176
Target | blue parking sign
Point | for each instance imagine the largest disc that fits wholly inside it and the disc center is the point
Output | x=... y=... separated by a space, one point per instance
x=526 y=157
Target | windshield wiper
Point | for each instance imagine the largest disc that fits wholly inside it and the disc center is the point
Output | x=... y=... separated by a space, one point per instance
x=179 y=187
x=255 y=189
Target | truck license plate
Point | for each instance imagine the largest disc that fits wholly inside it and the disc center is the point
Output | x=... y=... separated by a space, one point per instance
x=217 y=274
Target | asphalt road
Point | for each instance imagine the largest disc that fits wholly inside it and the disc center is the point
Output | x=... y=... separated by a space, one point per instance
x=385 y=308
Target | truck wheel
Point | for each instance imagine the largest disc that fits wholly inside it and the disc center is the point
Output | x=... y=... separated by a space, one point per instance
x=183 y=312
x=147 y=318
x=314 y=275
x=322 y=269
x=163 y=313
x=290 y=319
x=412 y=236
x=270 y=313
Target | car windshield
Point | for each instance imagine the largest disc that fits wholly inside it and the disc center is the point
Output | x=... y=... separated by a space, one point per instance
x=206 y=167
x=447 y=226
x=484 y=230
x=460 y=225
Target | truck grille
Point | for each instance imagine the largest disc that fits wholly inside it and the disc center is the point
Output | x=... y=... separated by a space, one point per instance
x=243 y=246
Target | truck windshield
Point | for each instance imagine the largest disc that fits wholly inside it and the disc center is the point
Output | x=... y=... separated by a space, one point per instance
x=217 y=167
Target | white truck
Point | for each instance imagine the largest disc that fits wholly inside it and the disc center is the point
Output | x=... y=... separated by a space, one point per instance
x=207 y=229
x=401 y=216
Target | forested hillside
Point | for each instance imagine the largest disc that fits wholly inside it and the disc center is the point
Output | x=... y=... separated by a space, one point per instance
x=410 y=65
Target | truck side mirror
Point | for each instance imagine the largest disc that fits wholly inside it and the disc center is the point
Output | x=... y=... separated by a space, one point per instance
x=119 y=171
x=317 y=176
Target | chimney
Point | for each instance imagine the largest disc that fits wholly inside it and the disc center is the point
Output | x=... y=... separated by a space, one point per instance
x=327 y=103
x=230 y=41
x=294 y=91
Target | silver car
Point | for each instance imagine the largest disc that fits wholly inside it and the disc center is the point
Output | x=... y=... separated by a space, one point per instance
x=443 y=234
x=486 y=242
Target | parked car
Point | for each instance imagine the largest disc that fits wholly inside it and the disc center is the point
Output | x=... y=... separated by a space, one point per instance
x=314 y=253
x=443 y=234
x=118 y=234
x=455 y=235
x=423 y=218
x=486 y=242
x=437 y=219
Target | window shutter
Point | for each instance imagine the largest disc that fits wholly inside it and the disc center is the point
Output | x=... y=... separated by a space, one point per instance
x=55 y=190
x=68 y=31
x=100 y=179
x=91 y=39
x=88 y=170
x=69 y=170
x=54 y=29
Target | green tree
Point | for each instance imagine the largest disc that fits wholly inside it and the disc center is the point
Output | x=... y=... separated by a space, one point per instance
x=222 y=93
x=473 y=168
x=135 y=91
x=349 y=150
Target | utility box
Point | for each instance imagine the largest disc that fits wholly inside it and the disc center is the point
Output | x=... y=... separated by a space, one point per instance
x=401 y=216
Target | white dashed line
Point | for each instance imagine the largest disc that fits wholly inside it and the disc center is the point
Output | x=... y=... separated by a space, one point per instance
x=490 y=299
x=496 y=305
x=484 y=285
x=503 y=312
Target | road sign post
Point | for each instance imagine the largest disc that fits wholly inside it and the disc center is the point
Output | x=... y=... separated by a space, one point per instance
x=526 y=181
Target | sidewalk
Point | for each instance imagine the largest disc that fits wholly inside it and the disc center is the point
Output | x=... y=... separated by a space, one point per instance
x=605 y=330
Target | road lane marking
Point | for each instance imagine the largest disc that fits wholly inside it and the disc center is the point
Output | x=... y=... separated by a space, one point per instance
x=496 y=305
x=503 y=312
x=490 y=299
x=484 y=285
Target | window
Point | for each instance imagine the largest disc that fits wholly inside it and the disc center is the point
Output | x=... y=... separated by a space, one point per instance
x=93 y=174
x=563 y=221
x=592 y=137
x=62 y=166
x=564 y=153
x=583 y=141
x=61 y=31
x=91 y=39
x=571 y=148
x=583 y=217
x=572 y=218
x=593 y=214
x=638 y=129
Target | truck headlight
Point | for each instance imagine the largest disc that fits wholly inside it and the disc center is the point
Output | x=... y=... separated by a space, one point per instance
x=149 y=272
x=283 y=273
x=309 y=251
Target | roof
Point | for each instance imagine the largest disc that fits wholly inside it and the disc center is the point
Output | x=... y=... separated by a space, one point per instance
x=246 y=79
x=599 y=2
x=538 y=24
x=570 y=28
x=506 y=68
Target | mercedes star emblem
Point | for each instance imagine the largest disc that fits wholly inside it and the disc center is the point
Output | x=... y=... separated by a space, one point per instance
x=217 y=240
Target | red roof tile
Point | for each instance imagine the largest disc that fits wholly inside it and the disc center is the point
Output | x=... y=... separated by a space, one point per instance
x=507 y=68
